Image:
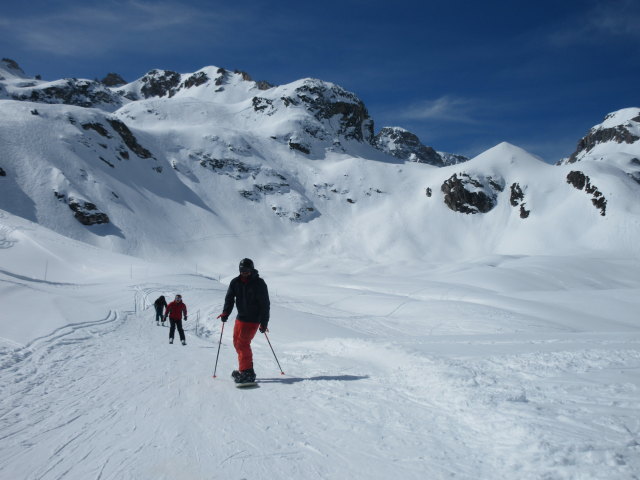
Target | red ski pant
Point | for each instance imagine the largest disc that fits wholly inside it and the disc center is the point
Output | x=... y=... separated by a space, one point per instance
x=243 y=333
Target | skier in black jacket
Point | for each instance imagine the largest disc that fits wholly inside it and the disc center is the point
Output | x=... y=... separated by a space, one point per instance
x=251 y=297
x=160 y=304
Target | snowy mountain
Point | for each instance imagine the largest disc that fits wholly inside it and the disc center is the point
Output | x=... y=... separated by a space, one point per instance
x=615 y=141
x=472 y=320
x=294 y=162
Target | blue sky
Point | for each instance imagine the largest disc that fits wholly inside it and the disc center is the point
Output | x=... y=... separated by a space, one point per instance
x=463 y=76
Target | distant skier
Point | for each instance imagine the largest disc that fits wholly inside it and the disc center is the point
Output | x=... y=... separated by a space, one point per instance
x=175 y=311
x=250 y=294
x=160 y=304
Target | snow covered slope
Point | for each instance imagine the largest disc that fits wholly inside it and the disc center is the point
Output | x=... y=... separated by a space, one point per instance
x=214 y=157
x=615 y=141
x=501 y=367
x=471 y=321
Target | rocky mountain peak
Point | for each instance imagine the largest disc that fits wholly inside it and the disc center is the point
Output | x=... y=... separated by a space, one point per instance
x=113 y=80
x=405 y=145
x=326 y=100
x=621 y=127
x=12 y=68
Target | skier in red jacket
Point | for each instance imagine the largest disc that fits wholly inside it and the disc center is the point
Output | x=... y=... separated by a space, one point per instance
x=175 y=311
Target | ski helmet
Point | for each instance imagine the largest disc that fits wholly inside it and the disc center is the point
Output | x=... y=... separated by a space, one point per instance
x=246 y=265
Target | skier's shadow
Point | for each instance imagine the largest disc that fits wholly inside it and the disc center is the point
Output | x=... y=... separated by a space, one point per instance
x=340 y=378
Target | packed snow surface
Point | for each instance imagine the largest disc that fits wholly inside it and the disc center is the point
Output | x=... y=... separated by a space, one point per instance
x=505 y=366
x=415 y=341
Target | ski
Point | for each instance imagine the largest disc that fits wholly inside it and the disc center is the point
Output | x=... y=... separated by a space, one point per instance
x=246 y=385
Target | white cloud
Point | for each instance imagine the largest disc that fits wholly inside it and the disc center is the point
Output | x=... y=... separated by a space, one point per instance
x=604 y=20
x=94 y=29
x=446 y=108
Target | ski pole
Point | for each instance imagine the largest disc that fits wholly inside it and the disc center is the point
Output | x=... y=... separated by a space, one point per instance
x=274 y=353
x=216 y=367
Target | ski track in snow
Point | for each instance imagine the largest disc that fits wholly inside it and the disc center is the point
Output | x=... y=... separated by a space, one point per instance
x=111 y=399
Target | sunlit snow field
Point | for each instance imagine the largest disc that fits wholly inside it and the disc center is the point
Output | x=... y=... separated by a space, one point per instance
x=495 y=367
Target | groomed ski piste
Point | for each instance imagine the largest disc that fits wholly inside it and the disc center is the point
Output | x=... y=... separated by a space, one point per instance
x=522 y=367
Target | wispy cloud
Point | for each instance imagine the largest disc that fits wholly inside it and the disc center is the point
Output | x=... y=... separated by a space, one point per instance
x=604 y=20
x=88 y=30
x=447 y=108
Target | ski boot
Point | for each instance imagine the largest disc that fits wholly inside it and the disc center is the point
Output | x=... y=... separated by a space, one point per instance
x=246 y=376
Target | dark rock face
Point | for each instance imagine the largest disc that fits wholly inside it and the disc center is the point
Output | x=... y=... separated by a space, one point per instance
x=195 y=80
x=85 y=212
x=300 y=147
x=98 y=127
x=262 y=85
x=129 y=139
x=2 y=172
x=327 y=102
x=469 y=195
x=230 y=167
x=452 y=158
x=516 y=195
x=113 y=80
x=263 y=105
x=582 y=182
x=222 y=77
x=618 y=134
x=160 y=83
x=635 y=176
x=82 y=93
x=12 y=65
x=577 y=179
x=265 y=189
x=245 y=76
x=405 y=145
x=517 y=200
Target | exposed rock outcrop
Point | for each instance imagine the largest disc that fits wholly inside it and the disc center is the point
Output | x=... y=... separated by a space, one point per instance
x=129 y=138
x=627 y=131
x=300 y=147
x=195 y=80
x=327 y=101
x=85 y=212
x=517 y=200
x=82 y=93
x=618 y=134
x=263 y=105
x=405 y=145
x=582 y=182
x=113 y=80
x=160 y=83
x=469 y=195
x=452 y=158
x=13 y=67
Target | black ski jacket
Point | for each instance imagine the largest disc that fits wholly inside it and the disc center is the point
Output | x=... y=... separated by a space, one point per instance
x=160 y=303
x=251 y=299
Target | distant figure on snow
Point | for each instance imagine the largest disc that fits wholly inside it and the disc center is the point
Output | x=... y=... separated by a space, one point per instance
x=249 y=293
x=160 y=304
x=175 y=311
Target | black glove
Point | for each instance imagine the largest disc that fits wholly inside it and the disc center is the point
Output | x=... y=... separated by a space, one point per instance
x=185 y=319
x=263 y=328
x=223 y=316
